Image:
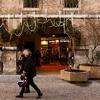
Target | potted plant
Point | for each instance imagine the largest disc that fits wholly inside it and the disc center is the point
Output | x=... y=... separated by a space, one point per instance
x=93 y=56
x=74 y=75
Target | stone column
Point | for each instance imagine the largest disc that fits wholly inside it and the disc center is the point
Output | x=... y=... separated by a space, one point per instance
x=9 y=60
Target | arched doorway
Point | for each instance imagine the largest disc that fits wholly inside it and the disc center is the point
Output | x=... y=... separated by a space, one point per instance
x=31 y=42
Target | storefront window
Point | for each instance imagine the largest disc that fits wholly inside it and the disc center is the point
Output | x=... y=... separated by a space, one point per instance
x=54 y=51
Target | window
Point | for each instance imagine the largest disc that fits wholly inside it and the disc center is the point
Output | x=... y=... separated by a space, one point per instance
x=30 y=3
x=71 y=3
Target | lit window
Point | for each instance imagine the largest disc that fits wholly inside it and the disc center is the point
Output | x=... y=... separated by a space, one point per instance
x=71 y=3
x=30 y=3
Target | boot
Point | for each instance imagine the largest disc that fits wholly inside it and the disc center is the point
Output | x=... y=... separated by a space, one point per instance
x=19 y=96
x=39 y=96
x=27 y=91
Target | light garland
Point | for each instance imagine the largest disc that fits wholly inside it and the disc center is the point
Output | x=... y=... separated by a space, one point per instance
x=21 y=31
x=46 y=16
x=33 y=28
x=1 y=25
x=8 y=19
x=46 y=21
x=21 y=17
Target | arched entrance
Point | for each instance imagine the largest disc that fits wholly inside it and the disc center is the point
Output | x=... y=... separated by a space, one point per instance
x=31 y=42
x=54 y=50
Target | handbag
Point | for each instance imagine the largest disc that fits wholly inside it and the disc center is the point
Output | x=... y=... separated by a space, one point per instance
x=22 y=83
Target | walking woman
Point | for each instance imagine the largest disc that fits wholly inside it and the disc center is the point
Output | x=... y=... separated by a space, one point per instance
x=29 y=72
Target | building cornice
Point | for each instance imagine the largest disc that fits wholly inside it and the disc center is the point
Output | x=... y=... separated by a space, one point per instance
x=50 y=16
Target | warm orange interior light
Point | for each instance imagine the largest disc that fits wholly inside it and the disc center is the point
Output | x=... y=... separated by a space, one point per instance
x=44 y=42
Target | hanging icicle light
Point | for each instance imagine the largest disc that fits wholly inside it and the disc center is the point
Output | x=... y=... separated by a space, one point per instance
x=8 y=19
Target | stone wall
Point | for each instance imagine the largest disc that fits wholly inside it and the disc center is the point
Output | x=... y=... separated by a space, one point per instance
x=10 y=7
x=83 y=55
x=90 y=6
x=53 y=6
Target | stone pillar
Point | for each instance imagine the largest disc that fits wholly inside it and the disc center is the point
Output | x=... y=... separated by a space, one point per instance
x=80 y=56
x=9 y=60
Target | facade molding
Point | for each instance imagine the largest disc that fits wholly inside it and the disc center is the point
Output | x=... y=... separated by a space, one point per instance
x=51 y=16
x=9 y=48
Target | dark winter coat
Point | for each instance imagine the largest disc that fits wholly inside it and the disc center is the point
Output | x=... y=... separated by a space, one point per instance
x=29 y=67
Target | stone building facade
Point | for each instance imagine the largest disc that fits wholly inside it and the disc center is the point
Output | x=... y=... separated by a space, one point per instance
x=14 y=11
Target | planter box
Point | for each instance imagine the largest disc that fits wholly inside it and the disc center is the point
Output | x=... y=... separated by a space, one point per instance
x=94 y=71
x=74 y=75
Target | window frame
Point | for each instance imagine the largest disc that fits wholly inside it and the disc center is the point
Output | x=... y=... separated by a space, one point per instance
x=70 y=4
x=77 y=9
x=28 y=10
x=32 y=6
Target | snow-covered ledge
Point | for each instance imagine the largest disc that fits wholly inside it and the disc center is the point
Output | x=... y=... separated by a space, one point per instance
x=9 y=59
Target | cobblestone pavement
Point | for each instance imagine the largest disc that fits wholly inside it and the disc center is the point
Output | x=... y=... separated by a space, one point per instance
x=53 y=88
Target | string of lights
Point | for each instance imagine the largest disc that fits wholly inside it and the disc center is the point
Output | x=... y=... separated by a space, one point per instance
x=47 y=19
